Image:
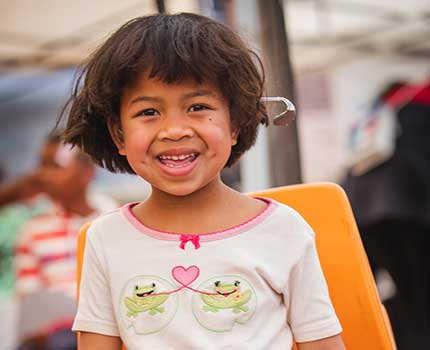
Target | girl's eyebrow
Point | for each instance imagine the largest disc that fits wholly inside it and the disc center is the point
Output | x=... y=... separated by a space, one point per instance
x=197 y=93
x=145 y=98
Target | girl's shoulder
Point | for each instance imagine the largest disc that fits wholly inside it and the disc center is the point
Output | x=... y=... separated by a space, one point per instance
x=111 y=221
x=288 y=219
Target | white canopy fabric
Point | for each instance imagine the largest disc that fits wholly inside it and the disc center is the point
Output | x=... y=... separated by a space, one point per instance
x=58 y=33
x=326 y=33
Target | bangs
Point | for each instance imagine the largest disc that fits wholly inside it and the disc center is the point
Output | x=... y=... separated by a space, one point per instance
x=175 y=68
x=176 y=48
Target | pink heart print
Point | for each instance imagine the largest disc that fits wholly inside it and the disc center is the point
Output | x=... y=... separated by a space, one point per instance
x=185 y=276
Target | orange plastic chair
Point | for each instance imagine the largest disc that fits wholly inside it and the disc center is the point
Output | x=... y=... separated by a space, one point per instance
x=352 y=288
x=326 y=208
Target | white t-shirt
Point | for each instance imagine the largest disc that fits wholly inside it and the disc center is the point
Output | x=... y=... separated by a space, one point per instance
x=253 y=286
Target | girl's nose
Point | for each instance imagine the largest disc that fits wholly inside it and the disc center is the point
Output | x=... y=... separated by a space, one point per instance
x=175 y=129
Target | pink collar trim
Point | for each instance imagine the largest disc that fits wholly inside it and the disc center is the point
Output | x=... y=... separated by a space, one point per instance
x=196 y=238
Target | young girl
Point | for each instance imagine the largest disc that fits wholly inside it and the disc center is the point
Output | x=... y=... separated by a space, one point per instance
x=197 y=265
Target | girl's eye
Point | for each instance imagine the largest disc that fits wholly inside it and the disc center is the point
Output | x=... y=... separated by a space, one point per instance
x=148 y=112
x=197 y=108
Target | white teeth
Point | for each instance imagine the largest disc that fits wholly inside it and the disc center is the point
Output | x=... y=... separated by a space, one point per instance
x=181 y=157
x=174 y=166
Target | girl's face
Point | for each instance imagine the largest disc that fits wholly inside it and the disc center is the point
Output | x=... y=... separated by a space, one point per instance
x=175 y=136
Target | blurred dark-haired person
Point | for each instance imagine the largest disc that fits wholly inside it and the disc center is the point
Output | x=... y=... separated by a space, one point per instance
x=391 y=202
x=46 y=248
x=20 y=199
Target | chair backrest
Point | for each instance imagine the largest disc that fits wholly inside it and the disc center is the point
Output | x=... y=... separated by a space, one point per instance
x=346 y=268
x=80 y=254
x=326 y=208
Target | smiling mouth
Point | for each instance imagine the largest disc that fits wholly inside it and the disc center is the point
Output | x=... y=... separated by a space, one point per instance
x=177 y=161
x=227 y=294
x=141 y=295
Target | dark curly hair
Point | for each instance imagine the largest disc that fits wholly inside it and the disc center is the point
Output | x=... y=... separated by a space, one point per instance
x=171 y=48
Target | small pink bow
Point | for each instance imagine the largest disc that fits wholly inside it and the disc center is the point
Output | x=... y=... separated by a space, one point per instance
x=195 y=239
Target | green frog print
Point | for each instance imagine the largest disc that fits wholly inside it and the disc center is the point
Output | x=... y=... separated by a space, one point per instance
x=228 y=296
x=145 y=299
x=224 y=302
x=146 y=305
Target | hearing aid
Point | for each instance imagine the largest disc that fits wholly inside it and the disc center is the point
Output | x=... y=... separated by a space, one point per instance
x=285 y=116
x=120 y=135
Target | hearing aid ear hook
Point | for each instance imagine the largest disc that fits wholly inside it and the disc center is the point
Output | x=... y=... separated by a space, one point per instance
x=120 y=135
x=285 y=116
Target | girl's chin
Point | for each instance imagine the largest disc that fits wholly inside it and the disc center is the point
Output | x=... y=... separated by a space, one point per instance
x=180 y=193
x=181 y=190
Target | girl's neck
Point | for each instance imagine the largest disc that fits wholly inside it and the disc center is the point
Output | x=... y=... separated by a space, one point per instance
x=209 y=196
x=212 y=208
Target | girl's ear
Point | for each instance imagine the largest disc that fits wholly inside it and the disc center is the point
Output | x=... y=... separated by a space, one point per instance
x=116 y=135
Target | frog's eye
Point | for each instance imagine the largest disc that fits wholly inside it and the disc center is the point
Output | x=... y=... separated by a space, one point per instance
x=217 y=283
x=153 y=285
x=136 y=287
x=236 y=283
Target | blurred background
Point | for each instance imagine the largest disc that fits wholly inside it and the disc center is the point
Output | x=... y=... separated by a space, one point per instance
x=357 y=71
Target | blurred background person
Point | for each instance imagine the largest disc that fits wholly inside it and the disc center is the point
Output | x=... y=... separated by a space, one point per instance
x=20 y=199
x=40 y=216
x=391 y=201
x=46 y=251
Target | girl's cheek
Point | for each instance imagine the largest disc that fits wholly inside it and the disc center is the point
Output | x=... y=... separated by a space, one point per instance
x=138 y=138
x=218 y=132
x=217 y=135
